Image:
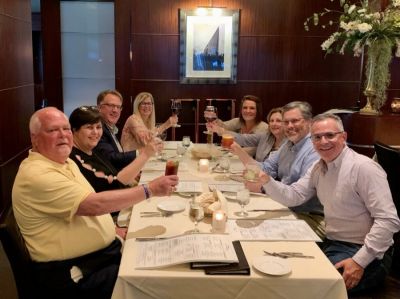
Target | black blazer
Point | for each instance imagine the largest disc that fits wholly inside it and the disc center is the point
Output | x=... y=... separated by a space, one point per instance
x=108 y=148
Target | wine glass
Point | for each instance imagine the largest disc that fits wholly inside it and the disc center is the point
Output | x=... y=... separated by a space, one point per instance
x=186 y=141
x=176 y=107
x=210 y=115
x=243 y=197
x=196 y=214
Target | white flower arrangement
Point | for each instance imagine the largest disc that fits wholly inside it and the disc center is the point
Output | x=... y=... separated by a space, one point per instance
x=359 y=26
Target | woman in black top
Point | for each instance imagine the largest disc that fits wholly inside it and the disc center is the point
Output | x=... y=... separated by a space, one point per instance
x=87 y=130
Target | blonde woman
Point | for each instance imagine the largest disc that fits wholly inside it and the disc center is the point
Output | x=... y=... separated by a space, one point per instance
x=141 y=125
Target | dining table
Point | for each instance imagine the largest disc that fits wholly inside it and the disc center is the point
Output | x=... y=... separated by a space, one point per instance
x=308 y=278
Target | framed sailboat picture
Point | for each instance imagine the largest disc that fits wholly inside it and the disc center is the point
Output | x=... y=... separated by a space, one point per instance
x=208 y=45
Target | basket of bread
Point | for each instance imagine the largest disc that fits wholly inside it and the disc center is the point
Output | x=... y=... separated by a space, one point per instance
x=205 y=151
x=212 y=201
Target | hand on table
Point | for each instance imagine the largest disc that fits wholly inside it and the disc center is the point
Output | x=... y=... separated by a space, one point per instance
x=352 y=272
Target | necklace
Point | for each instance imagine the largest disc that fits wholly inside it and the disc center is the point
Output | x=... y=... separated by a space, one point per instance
x=100 y=174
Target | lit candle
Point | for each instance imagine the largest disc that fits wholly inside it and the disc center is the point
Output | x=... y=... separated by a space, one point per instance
x=218 y=222
x=203 y=165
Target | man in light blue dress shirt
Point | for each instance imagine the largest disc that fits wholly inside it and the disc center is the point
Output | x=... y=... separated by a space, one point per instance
x=297 y=155
x=293 y=158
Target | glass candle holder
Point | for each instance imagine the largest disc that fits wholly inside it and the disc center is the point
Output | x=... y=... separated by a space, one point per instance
x=219 y=222
x=203 y=165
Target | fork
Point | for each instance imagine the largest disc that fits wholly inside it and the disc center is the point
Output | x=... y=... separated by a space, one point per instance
x=286 y=255
x=156 y=214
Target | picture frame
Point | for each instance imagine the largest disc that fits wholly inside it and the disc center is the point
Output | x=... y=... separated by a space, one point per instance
x=208 y=45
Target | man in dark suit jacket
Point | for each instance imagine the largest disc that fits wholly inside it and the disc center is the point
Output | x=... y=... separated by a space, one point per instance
x=109 y=103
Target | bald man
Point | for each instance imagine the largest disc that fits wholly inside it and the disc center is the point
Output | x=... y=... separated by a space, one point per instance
x=66 y=225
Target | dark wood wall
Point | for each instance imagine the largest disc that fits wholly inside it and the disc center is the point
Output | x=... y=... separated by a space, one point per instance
x=277 y=59
x=16 y=90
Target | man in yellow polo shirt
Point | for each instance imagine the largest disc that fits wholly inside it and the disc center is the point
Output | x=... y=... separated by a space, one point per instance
x=67 y=227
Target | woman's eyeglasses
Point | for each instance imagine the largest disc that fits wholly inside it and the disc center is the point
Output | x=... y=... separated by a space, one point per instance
x=146 y=104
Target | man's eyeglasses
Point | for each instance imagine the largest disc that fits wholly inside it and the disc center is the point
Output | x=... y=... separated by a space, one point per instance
x=112 y=106
x=328 y=136
x=88 y=108
x=146 y=104
x=294 y=121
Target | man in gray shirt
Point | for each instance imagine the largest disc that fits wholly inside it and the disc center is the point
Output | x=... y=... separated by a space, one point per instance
x=360 y=215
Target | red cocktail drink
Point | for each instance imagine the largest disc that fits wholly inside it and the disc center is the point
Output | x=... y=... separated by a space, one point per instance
x=171 y=168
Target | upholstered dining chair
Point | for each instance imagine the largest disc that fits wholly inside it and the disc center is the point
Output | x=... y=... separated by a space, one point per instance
x=389 y=158
x=17 y=254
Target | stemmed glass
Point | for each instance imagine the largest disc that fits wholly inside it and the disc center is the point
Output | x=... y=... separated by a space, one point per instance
x=186 y=141
x=252 y=172
x=224 y=164
x=180 y=150
x=176 y=107
x=243 y=197
x=196 y=214
x=162 y=136
x=210 y=115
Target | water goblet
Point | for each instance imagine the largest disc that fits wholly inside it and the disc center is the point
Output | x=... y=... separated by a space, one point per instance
x=196 y=214
x=180 y=150
x=243 y=197
x=159 y=137
x=186 y=141
x=251 y=172
x=224 y=164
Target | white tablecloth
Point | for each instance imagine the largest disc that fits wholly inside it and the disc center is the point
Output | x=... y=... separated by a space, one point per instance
x=309 y=278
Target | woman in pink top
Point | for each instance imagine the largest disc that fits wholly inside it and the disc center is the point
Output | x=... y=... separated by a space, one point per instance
x=141 y=125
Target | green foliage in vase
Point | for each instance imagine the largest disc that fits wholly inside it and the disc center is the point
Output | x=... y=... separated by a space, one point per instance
x=377 y=71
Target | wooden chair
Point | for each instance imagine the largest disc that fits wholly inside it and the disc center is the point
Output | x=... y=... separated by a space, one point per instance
x=389 y=158
x=188 y=118
x=17 y=254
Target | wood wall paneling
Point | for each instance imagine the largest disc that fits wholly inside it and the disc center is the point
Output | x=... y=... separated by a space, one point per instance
x=17 y=107
x=278 y=60
x=122 y=51
x=16 y=52
x=51 y=35
x=16 y=90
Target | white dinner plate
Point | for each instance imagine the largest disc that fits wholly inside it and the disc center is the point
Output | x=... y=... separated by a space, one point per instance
x=171 y=205
x=272 y=265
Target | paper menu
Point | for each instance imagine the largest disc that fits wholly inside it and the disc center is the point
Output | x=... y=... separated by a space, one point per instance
x=271 y=230
x=184 y=249
x=189 y=186
x=231 y=187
